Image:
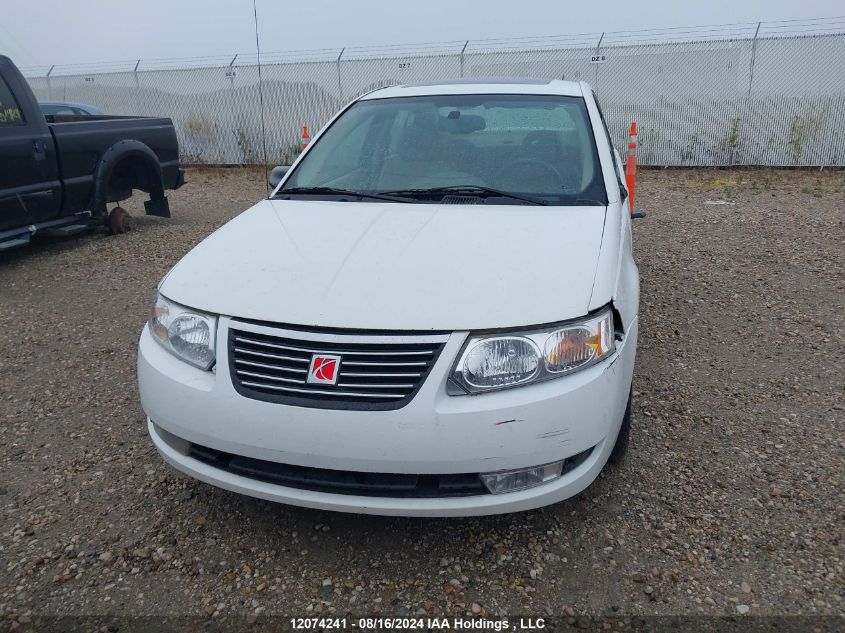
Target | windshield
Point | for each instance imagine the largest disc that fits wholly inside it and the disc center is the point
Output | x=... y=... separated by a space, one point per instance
x=540 y=147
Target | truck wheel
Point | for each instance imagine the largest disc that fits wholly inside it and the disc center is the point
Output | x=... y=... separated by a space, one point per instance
x=119 y=221
x=617 y=456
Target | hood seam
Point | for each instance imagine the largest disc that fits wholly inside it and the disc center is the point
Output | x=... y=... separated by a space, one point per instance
x=598 y=260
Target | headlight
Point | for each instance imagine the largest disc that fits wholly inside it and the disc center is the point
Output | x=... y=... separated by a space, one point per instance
x=183 y=332
x=497 y=361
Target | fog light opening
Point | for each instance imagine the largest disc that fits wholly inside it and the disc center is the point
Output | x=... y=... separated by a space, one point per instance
x=514 y=480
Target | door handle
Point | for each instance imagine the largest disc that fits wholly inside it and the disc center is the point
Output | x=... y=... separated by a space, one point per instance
x=39 y=149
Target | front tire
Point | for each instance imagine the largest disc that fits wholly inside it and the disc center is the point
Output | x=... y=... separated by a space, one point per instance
x=620 y=449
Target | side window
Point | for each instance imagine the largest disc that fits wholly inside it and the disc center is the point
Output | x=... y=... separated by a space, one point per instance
x=10 y=113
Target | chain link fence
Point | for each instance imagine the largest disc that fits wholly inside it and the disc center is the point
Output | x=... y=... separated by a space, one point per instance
x=748 y=94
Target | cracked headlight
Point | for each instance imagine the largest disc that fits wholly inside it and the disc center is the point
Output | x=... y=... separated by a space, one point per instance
x=183 y=332
x=498 y=361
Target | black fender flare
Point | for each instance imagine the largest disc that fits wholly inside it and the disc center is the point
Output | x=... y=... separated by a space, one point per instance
x=128 y=148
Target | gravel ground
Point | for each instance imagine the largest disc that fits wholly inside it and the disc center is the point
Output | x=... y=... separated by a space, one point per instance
x=731 y=501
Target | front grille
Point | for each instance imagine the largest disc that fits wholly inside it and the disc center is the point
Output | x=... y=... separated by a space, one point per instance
x=347 y=482
x=342 y=481
x=377 y=372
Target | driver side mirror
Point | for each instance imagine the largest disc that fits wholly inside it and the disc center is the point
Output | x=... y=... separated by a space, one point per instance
x=276 y=175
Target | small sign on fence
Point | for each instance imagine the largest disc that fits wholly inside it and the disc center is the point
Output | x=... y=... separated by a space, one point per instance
x=598 y=59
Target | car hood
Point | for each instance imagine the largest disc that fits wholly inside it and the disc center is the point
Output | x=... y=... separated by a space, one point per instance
x=395 y=266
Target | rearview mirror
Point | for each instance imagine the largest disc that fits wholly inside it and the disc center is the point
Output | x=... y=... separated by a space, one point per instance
x=276 y=175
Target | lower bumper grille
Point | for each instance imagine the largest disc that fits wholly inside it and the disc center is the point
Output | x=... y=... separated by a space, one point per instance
x=342 y=481
x=347 y=482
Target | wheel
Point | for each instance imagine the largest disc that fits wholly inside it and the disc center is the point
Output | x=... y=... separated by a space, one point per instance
x=119 y=221
x=620 y=449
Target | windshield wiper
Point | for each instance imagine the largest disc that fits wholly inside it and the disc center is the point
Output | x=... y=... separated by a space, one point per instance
x=469 y=190
x=331 y=191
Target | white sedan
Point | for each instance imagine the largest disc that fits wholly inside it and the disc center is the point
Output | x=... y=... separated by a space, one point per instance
x=434 y=313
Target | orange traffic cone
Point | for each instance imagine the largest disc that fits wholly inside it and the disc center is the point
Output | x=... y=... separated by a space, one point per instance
x=631 y=165
x=306 y=138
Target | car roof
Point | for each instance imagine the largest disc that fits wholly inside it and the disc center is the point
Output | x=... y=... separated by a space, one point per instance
x=482 y=86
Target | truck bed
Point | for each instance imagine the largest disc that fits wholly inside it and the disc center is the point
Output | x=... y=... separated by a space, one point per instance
x=81 y=140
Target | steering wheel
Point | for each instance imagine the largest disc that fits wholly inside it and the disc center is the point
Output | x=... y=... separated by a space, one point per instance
x=528 y=162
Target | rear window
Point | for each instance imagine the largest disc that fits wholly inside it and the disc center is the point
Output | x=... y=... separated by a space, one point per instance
x=49 y=110
x=62 y=109
x=10 y=112
x=535 y=145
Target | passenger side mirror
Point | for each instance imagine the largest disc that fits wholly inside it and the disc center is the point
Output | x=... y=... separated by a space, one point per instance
x=276 y=175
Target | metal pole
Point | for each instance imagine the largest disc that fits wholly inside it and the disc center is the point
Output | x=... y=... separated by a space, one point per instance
x=733 y=135
x=753 y=55
x=232 y=97
x=261 y=100
x=50 y=83
x=463 y=50
x=598 y=52
x=339 y=82
x=137 y=88
x=232 y=73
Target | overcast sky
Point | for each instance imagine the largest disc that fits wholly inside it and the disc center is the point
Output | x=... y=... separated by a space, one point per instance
x=44 y=33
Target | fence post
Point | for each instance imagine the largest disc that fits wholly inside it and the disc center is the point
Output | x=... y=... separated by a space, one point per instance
x=49 y=83
x=137 y=88
x=732 y=140
x=231 y=73
x=753 y=56
x=598 y=52
x=463 y=50
x=339 y=81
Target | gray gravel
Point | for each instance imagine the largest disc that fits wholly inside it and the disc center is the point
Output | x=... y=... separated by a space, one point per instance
x=731 y=501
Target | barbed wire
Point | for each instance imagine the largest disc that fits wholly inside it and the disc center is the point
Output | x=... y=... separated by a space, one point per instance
x=729 y=31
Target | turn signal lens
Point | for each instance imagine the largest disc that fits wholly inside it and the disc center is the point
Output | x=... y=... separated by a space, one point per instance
x=159 y=318
x=570 y=348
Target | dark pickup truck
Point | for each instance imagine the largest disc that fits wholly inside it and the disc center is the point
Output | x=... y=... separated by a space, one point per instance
x=58 y=173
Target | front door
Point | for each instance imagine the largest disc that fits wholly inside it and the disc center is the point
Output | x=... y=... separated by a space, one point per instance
x=29 y=188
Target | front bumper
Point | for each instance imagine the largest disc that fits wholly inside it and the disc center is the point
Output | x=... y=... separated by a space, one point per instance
x=434 y=434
